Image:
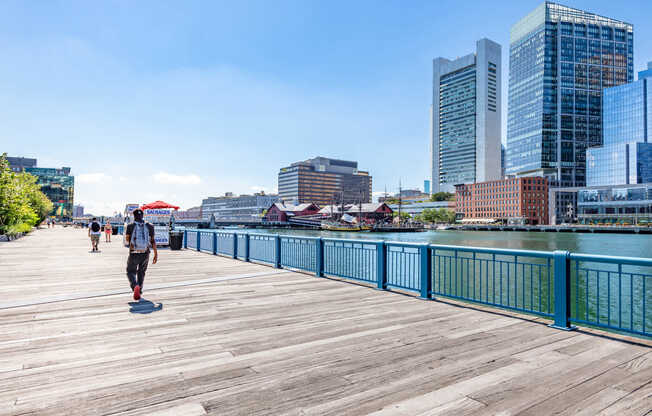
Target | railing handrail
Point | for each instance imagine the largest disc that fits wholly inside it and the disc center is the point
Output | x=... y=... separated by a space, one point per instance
x=598 y=258
x=557 y=287
x=499 y=251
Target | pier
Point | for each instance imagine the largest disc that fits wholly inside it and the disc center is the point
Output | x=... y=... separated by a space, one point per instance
x=216 y=335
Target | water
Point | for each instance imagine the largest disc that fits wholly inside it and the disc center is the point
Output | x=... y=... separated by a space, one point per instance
x=628 y=245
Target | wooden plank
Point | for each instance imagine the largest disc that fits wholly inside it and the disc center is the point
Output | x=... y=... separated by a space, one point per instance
x=279 y=343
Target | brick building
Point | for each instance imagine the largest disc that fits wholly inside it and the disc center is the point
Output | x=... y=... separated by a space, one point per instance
x=524 y=199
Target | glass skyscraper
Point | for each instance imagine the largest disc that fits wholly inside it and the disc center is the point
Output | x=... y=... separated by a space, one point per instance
x=465 y=118
x=560 y=60
x=626 y=157
x=59 y=186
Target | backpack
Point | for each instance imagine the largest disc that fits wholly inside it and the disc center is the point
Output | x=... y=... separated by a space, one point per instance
x=95 y=226
x=140 y=240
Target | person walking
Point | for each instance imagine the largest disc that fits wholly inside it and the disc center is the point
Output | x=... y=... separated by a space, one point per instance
x=140 y=239
x=94 y=232
x=108 y=230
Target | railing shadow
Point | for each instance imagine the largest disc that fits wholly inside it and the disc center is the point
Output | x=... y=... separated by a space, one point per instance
x=144 y=306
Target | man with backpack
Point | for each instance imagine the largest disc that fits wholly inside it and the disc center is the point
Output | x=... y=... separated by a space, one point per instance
x=140 y=238
x=94 y=232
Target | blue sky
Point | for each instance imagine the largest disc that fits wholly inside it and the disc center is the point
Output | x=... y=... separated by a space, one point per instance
x=182 y=100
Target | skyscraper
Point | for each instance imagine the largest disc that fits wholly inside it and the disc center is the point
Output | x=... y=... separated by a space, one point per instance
x=560 y=60
x=465 y=118
x=626 y=157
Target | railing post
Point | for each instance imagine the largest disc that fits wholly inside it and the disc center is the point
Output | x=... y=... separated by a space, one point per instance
x=214 y=243
x=562 y=284
x=277 y=251
x=235 y=245
x=425 y=272
x=246 y=250
x=185 y=238
x=198 y=240
x=319 y=257
x=381 y=269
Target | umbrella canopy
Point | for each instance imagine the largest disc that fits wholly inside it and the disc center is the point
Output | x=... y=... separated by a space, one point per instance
x=159 y=205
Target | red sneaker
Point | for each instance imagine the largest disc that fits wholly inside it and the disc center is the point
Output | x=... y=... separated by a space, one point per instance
x=136 y=292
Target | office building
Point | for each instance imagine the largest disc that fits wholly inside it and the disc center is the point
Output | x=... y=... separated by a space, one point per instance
x=626 y=157
x=77 y=211
x=465 y=118
x=620 y=204
x=560 y=61
x=244 y=208
x=324 y=181
x=514 y=200
x=18 y=164
x=59 y=186
x=426 y=186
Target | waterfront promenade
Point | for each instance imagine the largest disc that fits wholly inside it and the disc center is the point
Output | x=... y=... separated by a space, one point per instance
x=220 y=336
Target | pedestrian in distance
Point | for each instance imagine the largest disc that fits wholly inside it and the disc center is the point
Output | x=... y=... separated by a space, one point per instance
x=108 y=230
x=140 y=239
x=94 y=232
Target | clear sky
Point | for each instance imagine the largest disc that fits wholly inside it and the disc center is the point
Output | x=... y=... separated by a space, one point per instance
x=180 y=100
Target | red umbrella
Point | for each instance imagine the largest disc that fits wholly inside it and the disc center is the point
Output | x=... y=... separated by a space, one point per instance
x=159 y=205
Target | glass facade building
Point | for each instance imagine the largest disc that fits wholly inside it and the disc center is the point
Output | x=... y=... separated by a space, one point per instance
x=626 y=157
x=59 y=186
x=235 y=208
x=465 y=118
x=324 y=181
x=560 y=60
x=623 y=204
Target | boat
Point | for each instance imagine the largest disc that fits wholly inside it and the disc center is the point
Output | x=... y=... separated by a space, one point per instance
x=338 y=226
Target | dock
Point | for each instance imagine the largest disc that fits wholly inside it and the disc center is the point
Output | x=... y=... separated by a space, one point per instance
x=217 y=336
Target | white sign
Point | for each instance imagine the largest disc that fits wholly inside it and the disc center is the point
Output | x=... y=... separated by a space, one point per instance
x=157 y=216
x=162 y=235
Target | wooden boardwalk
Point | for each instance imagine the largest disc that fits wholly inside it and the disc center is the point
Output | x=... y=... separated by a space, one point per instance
x=222 y=337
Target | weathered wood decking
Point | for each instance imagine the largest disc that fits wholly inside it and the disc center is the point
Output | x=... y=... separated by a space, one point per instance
x=247 y=339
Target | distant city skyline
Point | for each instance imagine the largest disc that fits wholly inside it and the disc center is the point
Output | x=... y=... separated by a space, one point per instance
x=152 y=100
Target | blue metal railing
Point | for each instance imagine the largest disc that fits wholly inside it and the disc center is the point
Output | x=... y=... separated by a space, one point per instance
x=513 y=279
x=609 y=292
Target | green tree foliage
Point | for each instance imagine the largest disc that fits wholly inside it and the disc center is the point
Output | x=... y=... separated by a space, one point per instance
x=442 y=196
x=440 y=216
x=22 y=204
x=404 y=215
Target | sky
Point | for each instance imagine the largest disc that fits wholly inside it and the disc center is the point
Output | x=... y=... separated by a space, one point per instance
x=180 y=101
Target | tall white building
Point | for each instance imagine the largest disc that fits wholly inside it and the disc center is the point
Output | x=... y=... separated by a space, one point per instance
x=466 y=118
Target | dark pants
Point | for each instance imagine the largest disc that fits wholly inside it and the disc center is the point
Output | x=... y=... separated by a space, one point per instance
x=136 y=268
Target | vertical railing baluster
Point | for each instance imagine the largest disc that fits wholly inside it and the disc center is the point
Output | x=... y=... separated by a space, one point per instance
x=319 y=257
x=631 y=301
x=425 y=272
x=214 y=243
x=562 y=289
x=277 y=251
x=381 y=269
x=198 y=240
x=235 y=245
x=246 y=250
x=185 y=239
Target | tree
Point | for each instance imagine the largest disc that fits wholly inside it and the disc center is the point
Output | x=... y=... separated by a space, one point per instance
x=442 y=196
x=22 y=204
x=441 y=215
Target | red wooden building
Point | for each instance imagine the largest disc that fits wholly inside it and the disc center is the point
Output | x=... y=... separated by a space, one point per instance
x=280 y=212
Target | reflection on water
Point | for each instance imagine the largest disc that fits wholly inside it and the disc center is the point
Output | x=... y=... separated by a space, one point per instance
x=629 y=245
